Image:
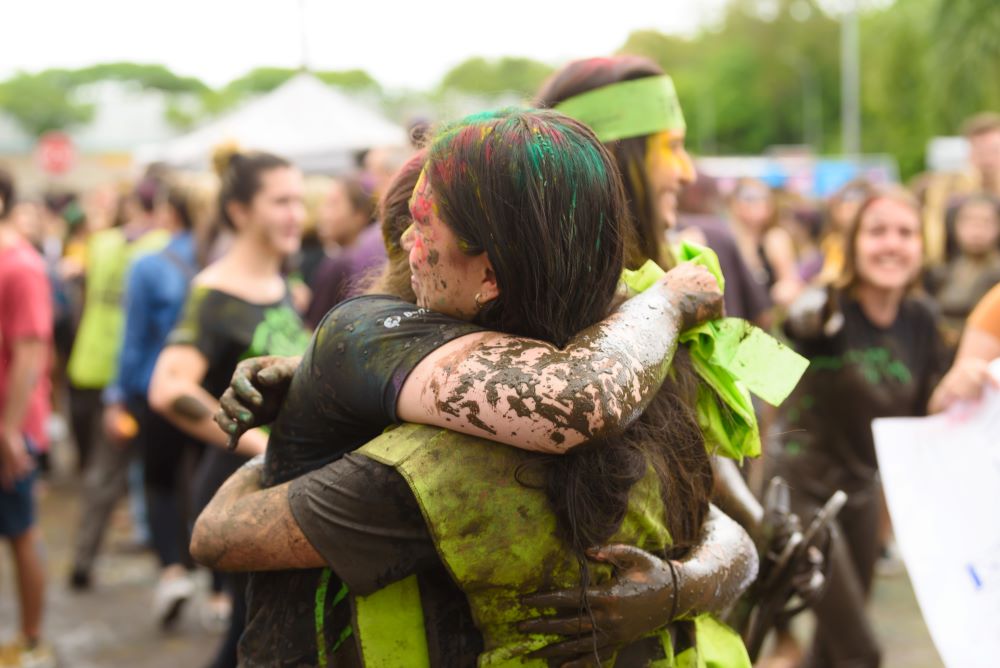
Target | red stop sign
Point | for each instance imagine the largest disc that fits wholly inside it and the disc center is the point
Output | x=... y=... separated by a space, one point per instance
x=56 y=154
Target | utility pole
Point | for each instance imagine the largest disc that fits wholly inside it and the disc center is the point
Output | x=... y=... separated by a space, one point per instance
x=850 y=82
x=303 y=40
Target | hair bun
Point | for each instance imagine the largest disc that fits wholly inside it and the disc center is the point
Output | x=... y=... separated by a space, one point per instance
x=222 y=156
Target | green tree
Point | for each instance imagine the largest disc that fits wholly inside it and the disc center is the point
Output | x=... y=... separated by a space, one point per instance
x=756 y=81
x=484 y=77
x=41 y=102
x=263 y=80
x=350 y=80
x=155 y=77
x=965 y=51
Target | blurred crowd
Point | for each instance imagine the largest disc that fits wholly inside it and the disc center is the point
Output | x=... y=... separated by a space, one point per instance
x=116 y=263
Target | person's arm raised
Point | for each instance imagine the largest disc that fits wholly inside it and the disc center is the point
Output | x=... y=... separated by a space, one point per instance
x=535 y=396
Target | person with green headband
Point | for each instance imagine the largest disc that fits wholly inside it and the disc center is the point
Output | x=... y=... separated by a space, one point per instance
x=526 y=528
x=632 y=106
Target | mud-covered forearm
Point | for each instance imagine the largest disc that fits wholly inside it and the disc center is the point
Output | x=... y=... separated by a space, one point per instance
x=536 y=396
x=246 y=528
x=720 y=568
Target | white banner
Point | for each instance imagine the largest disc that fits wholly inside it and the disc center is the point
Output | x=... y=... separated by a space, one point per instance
x=942 y=482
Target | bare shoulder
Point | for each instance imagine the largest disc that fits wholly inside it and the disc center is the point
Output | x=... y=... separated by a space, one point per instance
x=233 y=280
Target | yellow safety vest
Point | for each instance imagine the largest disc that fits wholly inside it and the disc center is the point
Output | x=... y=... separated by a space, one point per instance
x=497 y=538
x=95 y=350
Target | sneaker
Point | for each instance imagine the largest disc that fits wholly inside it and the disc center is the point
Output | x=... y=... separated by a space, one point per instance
x=169 y=599
x=19 y=654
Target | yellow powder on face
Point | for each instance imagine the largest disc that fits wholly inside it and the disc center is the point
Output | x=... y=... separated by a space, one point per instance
x=659 y=153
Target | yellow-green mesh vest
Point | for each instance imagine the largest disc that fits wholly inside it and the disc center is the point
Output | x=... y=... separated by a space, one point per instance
x=95 y=350
x=497 y=539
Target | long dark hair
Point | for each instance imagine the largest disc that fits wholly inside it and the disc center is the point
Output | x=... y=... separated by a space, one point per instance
x=538 y=193
x=580 y=76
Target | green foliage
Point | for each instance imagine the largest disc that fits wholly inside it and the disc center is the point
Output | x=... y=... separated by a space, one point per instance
x=349 y=80
x=966 y=58
x=44 y=101
x=767 y=74
x=156 y=77
x=757 y=81
x=39 y=102
x=265 y=79
x=767 y=78
x=506 y=75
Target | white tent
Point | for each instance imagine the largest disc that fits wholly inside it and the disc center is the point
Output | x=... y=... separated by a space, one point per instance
x=315 y=126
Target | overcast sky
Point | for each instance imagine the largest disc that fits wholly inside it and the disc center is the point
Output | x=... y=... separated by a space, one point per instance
x=409 y=44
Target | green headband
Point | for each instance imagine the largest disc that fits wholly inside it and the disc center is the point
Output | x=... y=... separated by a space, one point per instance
x=628 y=109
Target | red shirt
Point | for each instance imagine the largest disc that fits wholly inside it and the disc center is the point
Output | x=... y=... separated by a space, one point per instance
x=25 y=313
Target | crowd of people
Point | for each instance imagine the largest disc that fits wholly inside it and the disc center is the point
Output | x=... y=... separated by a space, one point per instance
x=232 y=352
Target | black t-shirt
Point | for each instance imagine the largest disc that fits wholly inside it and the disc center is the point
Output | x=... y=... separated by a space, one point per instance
x=343 y=395
x=226 y=329
x=824 y=438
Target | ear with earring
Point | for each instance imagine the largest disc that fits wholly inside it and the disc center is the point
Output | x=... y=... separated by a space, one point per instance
x=478 y=300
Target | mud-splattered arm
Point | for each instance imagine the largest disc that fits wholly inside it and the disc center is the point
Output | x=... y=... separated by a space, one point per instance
x=247 y=528
x=535 y=396
x=647 y=593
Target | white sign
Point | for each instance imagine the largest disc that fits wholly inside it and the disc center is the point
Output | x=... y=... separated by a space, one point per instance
x=942 y=482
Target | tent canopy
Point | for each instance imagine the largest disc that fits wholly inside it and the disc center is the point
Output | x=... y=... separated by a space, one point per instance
x=315 y=126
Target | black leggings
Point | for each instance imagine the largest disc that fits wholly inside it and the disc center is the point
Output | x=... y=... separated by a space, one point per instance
x=85 y=410
x=169 y=457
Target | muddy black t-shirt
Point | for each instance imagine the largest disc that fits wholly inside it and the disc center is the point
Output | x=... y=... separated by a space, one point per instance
x=342 y=395
x=861 y=373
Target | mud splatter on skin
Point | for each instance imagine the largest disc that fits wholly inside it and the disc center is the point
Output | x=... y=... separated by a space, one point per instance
x=593 y=388
x=433 y=257
x=641 y=595
x=190 y=408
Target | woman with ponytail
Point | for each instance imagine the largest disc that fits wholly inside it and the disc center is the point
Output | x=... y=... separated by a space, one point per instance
x=237 y=307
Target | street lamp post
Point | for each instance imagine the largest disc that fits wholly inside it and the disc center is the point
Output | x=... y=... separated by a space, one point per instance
x=850 y=78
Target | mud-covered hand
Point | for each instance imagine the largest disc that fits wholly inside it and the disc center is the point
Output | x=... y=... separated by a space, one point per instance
x=636 y=601
x=699 y=295
x=255 y=394
x=803 y=576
